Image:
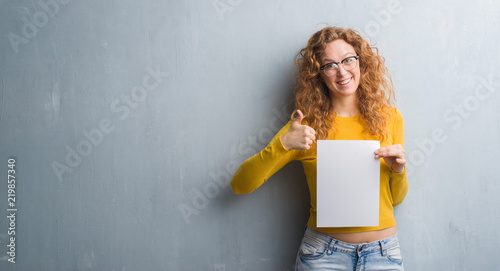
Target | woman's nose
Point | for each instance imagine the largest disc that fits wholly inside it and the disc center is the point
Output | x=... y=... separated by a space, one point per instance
x=341 y=71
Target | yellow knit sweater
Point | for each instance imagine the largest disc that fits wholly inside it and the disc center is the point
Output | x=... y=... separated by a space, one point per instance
x=257 y=169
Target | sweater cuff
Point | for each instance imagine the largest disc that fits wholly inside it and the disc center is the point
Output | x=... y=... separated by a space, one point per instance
x=398 y=175
x=279 y=145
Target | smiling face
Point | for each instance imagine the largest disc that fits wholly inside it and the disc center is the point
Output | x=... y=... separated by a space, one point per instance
x=344 y=83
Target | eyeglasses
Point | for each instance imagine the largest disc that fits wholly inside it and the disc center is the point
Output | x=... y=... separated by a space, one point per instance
x=332 y=68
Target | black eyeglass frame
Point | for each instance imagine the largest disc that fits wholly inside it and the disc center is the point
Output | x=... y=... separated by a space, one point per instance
x=337 y=63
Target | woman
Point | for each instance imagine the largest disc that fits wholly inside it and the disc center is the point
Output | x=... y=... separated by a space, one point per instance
x=344 y=92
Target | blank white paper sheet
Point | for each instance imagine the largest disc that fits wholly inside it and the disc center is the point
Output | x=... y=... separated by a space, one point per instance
x=348 y=183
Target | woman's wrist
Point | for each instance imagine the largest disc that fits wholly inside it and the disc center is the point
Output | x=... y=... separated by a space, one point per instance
x=284 y=142
x=399 y=169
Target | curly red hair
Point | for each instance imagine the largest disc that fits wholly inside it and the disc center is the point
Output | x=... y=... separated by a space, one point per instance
x=375 y=91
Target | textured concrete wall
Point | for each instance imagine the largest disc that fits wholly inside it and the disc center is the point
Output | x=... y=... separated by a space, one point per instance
x=126 y=120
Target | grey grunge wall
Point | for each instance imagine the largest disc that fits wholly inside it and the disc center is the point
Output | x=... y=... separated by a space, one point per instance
x=122 y=122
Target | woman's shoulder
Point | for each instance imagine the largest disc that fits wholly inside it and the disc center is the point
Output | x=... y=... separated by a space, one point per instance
x=394 y=118
x=392 y=115
x=392 y=112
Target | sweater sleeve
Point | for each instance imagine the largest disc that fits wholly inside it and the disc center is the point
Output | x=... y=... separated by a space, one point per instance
x=398 y=181
x=257 y=169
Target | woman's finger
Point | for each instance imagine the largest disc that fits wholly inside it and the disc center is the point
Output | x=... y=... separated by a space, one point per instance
x=400 y=160
x=390 y=147
x=387 y=154
x=309 y=141
x=311 y=130
x=390 y=153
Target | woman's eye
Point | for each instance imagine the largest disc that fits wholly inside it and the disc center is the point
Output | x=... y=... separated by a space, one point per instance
x=330 y=66
x=348 y=60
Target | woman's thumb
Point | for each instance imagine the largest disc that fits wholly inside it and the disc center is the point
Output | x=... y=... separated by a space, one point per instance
x=298 y=120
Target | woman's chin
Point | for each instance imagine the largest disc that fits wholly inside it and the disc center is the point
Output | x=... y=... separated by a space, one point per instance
x=344 y=93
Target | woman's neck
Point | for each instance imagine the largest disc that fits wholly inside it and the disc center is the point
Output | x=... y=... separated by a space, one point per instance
x=346 y=106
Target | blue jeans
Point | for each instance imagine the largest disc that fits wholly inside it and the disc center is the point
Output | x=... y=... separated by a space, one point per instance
x=319 y=251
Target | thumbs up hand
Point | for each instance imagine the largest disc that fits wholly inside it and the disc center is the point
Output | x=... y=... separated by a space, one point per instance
x=298 y=137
